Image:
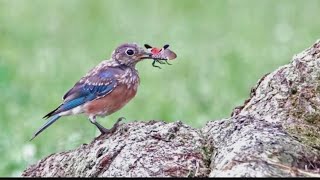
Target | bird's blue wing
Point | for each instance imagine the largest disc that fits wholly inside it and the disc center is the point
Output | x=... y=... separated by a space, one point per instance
x=91 y=87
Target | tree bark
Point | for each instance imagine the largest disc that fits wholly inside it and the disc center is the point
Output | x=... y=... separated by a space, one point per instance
x=276 y=132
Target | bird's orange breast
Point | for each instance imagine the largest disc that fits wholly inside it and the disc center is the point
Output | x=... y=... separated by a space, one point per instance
x=112 y=102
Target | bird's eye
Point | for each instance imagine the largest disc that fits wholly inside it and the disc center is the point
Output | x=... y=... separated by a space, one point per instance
x=129 y=52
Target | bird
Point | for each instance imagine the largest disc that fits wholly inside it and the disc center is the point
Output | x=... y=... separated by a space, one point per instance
x=104 y=89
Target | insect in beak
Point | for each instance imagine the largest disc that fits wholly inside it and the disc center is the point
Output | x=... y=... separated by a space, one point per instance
x=160 y=54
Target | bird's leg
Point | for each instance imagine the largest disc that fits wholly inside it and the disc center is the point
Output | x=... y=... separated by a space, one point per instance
x=102 y=129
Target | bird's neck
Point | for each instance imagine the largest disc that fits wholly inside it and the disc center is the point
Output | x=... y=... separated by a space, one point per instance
x=116 y=63
x=129 y=77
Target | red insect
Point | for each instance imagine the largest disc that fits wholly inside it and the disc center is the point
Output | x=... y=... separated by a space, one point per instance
x=159 y=54
x=155 y=50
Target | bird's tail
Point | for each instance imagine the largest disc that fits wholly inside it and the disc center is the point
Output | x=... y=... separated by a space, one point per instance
x=47 y=124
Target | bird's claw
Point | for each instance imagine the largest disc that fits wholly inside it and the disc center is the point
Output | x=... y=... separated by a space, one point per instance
x=116 y=125
x=104 y=130
x=120 y=119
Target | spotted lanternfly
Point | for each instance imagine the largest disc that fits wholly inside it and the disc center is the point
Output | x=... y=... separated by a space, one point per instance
x=159 y=54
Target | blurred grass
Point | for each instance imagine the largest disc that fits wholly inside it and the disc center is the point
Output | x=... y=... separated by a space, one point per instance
x=223 y=48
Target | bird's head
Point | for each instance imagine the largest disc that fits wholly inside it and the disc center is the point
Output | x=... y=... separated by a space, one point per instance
x=130 y=54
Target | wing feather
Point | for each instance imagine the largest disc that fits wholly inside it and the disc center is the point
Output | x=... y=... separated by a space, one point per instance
x=93 y=86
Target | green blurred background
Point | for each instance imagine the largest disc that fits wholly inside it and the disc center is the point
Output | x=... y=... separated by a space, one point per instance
x=223 y=48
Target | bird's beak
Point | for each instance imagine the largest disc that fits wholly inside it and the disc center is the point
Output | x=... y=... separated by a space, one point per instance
x=146 y=55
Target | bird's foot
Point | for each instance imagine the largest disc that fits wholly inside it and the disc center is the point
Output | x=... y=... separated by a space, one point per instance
x=116 y=125
x=104 y=130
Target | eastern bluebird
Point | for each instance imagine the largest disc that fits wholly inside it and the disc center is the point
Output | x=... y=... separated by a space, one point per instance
x=104 y=89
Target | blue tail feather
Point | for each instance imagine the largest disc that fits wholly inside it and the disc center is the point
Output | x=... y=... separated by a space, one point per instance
x=47 y=124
